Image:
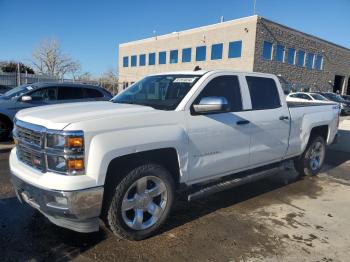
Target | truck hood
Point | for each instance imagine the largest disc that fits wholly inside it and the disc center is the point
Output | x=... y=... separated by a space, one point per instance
x=59 y=116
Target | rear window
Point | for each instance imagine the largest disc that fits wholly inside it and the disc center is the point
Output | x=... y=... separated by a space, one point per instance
x=92 y=93
x=263 y=93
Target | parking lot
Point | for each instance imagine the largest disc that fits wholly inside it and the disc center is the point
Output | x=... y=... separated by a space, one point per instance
x=282 y=218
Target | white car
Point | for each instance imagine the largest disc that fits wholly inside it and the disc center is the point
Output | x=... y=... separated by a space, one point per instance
x=307 y=97
x=193 y=133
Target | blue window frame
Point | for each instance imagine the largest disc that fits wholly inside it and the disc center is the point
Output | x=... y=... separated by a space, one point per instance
x=174 y=54
x=186 y=55
x=279 y=53
x=319 y=62
x=301 y=58
x=201 y=53
x=152 y=58
x=142 y=60
x=291 y=56
x=162 y=58
x=125 y=61
x=216 y=51
x=267 y=50
x=235 y=49
x=310 y=61
x=133 y=60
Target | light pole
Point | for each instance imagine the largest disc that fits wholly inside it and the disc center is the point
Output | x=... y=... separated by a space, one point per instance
x=254 y=7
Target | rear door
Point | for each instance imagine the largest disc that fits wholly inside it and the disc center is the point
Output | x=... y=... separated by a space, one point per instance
x=67 y=94
x=92 y=94
x=219 y=142
x=269 y=121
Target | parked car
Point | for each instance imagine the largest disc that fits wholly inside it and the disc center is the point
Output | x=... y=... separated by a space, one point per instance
x=343 y=104
x=4 y=89
x=346 y=97
x=307 y=97
x=194 y=133
x=40 y=94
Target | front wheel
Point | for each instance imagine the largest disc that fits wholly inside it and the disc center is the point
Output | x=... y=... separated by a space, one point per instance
x=5 y=129
x=311 y=161
x=141 y=203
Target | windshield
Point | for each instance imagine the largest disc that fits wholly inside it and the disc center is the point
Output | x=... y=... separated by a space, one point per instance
x=18 y=91
x=162 y=92
x=319 y=97
x=334 y=97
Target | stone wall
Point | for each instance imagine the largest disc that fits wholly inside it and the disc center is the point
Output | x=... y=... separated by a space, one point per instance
x=336 y=59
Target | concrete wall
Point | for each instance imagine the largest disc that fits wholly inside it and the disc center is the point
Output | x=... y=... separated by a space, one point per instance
x=336 y=59
x=240 y=29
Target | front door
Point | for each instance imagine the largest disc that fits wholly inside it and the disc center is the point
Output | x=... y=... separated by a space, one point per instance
x=219 y=143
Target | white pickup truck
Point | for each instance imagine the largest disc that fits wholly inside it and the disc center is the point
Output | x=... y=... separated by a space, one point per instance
x=191 y=132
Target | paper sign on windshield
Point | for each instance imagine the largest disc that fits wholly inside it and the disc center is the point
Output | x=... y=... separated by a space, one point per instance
x=184 y=80
x=29 y=87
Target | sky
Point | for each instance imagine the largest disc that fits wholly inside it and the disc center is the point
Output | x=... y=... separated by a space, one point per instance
x=90 y=31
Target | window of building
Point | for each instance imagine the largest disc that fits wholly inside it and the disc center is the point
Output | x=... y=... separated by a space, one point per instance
x=142 y=59
x=267 y=50
x=291 y=56
x=201 y=53
x=280 y=53
x=263 y=93
x=186 y=55
x=216 y=51
x=162 y=58
x=224 y=86
x=319 y=62
x=174 y=56
x=152 y=58
x=133 y=60
x=125 y=61
x=301 y=58
x=235 y=49
x=310 y=60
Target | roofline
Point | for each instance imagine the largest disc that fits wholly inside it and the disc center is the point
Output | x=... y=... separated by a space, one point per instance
x=303 y=33
x=187 y=30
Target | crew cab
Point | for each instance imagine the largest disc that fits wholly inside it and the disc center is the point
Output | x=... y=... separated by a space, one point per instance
x=190 y=133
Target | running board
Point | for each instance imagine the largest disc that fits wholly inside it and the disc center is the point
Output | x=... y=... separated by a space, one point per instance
x=236 y=181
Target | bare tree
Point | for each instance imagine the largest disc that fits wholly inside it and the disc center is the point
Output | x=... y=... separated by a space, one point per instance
x=109 y=80
x=48 y=58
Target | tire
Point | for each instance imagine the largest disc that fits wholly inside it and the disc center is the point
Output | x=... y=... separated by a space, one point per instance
x=311 y=161
x=135 y=198
x=5 y=129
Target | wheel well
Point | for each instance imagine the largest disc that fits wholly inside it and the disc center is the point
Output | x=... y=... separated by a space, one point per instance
x=7 y=119
x=167 y=157
x=320 y=131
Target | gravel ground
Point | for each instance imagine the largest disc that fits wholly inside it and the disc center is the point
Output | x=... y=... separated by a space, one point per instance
x=279 y=219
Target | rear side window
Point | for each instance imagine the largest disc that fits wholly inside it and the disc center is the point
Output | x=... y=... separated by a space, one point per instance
x=263 y=93
x=224 y=86
x=92 y=93
x=67 y=93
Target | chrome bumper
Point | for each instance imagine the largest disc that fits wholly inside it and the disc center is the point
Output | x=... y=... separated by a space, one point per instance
x=76 y=210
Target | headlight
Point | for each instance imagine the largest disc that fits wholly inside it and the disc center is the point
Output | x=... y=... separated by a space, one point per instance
x=65 y=152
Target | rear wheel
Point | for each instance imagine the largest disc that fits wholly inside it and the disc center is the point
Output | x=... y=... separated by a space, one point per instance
x=311 y=161
x=141 y=203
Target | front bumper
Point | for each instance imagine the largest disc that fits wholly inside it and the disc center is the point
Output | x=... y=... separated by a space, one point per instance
x=76 y=210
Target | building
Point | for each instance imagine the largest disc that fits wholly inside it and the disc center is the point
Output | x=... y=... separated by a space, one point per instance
x=302 y=61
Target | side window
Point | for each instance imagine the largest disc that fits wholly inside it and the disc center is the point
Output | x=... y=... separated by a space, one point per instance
x=44 y=94
x=263 y=93
x=92 y=93
x=67 y=93
x=224 y=86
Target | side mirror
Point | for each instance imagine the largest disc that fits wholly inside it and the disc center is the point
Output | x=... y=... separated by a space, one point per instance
x=26 y=98
x=211 y=104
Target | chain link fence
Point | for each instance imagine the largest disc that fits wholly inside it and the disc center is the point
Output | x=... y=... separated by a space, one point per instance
x=16 y=79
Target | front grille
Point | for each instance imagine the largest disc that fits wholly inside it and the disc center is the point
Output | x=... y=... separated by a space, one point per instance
x=29 y=136
x=30 y=157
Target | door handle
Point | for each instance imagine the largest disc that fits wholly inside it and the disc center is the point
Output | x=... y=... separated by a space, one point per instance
x=284 y=117
x=242 y=122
